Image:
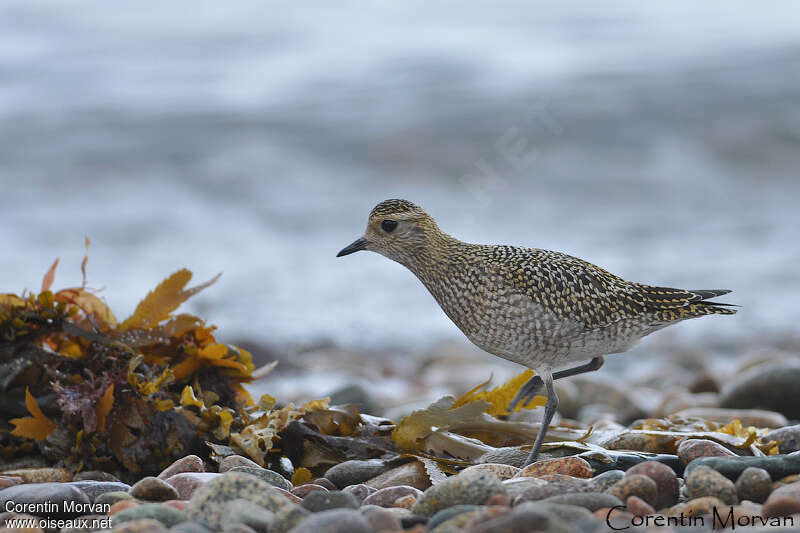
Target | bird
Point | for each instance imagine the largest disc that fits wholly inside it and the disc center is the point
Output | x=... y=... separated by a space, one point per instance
x=542 y=309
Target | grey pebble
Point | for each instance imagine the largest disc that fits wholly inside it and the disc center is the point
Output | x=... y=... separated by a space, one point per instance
x=588 y=500
x=356 y=471
x=333 y=499
x=754 y=484
x=360 y=491
x=248 y=513
x=168 y=516
x=472 y=488
x=56 y=493
x=334 y=521
x=93 y=489
x=273 y=478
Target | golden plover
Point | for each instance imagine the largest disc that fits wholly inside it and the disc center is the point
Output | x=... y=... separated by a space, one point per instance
x=538 y=308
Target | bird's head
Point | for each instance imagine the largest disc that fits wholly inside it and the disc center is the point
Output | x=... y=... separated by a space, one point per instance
x=399 y=230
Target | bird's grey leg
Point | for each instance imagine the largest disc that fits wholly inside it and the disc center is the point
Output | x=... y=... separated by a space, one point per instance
x=549 y=410
x=532 y=387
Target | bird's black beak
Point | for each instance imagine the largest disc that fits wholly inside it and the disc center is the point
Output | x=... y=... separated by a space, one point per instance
x=358 y=245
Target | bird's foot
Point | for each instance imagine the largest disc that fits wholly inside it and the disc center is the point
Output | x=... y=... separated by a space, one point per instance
x=527 y=392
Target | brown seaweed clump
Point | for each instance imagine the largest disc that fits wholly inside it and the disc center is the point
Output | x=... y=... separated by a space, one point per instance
x=85 y=391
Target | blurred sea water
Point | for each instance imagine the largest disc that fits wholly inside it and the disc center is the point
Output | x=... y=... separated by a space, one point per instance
x=661 y=141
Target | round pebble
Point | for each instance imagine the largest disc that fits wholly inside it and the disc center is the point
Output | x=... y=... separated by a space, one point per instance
x=754 y=484
x=112 y=497
x=768 y=386
x=778 y=466
x=545 y=489
x=189 y=527
x=334 y=521
x=273 y=478
x=665 y=479
x=354 y=472
x=190 y=463
x=381 y=519
x=470 y=488
x=332 y=499
x=704 y=481
x=784 y=501
x=153 y=490
x=288 y=517
x=303 y=490
x=188 y=482
x=388 y=496
x=243 y=511
x=635 y=485
x=168 y=516
x=588 y=500
x=233 y=461
x=522 y=518
x=502 y=471
x=691 y=449
x=603 y=481
x=637 y=506
x=207 y=504
x=360 y=491
x=324 y=482
x=449 y=513
x=570 y=466
x=33 y=493
x=701 y=506
x=412 y=474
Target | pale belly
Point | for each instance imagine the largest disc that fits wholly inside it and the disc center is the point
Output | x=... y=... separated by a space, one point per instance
x=514 y=327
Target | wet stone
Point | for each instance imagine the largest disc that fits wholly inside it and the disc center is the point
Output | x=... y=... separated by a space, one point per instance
x=588 y=500
x=471 y=488
x=334 y=521
x=190 y=463
x=332 y=499
x=691 y=449
x=704 y=481
x=233 y=461
x=207 y=504
x=665 y=479
x=502 y=471
x=273 y=478
x=754 y=484
x=789 y=437
x=354 y=472
x=388 y=496
x=635 y=485
x=154 y=490
x=57 y=494
x=303 y=490
x=168 y=516
x=570 y=466
x=93 y=489
x=187 y=482
x=412 y=474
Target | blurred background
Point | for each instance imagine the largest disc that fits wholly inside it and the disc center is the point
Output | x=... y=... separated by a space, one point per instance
x=660 y=141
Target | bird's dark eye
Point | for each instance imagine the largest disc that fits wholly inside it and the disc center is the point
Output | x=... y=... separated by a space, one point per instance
x=388 y=225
